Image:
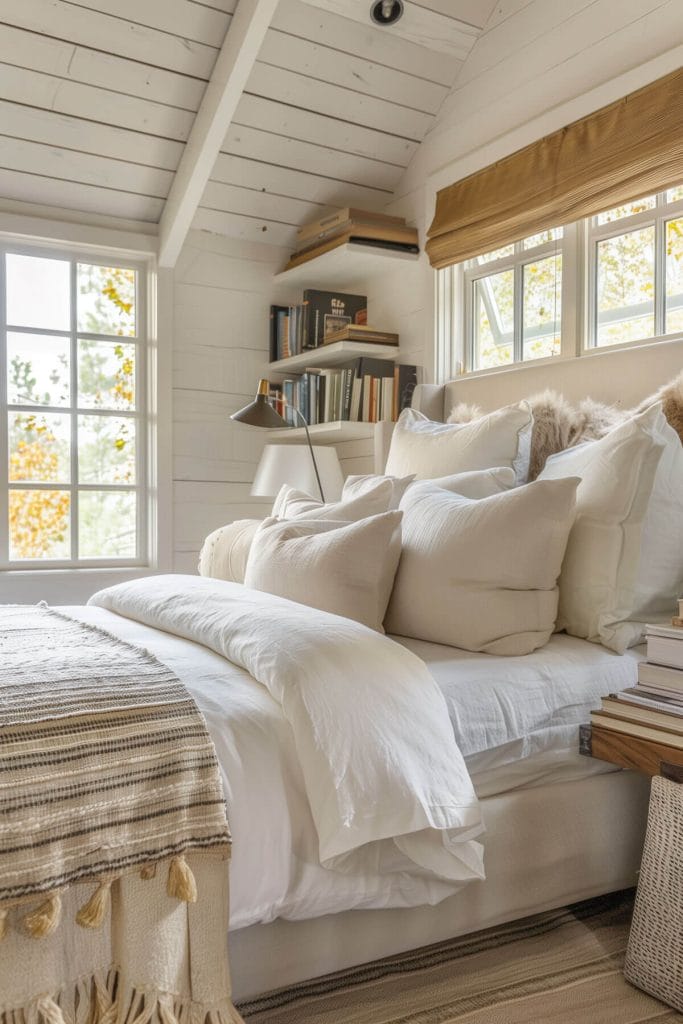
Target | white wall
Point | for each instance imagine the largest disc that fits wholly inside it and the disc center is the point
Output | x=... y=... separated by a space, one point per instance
x=538 y=65
x=222 y=293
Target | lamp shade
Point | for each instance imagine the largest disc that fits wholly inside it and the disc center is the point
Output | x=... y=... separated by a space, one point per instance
x=292 y=464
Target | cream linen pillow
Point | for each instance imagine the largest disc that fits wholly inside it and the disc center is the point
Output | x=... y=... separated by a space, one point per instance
x=624 y=560
x=293 y=504
x=482 y=574
x=478 y=483
x=430 y=450
x=347 y=569
x=225 y=551
x=355 y=486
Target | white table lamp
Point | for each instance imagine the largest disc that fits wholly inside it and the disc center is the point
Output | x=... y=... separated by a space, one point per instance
x=291 y=464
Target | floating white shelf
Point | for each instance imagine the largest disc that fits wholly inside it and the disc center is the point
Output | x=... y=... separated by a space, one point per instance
x=325 y=433
x=333 y=355
x=347 y=266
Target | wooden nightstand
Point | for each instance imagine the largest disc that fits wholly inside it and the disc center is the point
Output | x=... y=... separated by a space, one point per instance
x=642 y=755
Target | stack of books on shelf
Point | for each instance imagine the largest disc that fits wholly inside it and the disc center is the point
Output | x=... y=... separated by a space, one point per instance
x=296 y=329
x=362 y=390
x=653 y=708
x=379 y=230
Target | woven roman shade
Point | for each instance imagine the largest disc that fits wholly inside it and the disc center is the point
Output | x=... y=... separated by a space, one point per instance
x=619 y=153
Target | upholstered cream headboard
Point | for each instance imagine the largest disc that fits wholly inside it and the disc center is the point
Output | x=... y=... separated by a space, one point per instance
x=623 y=377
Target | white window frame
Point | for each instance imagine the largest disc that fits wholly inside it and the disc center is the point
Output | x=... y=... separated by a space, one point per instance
x=145 y=403
x=454 y=294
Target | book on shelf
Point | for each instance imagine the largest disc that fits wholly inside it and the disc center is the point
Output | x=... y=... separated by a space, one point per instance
x=652 y=699
x=660 y=676
x=662 y=718
x=361 y=332
x=644 y=732
x=340 y=219
x=362 y=390
x=665 y=646
x=327 y=312
x=353 y=235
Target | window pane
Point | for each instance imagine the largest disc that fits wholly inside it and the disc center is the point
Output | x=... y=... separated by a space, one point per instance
x=106 y=375
x=674 y=194
x=627 y=210
x=542 y=308
x=39 y=524
x=106 y=450
x=674 y=276
x=625 y=295
x=38 y=293
x=107 y=524
x=495 y=254
x=39 y=446
x=493 y=320
x=545 y=236
x=106 y=300
x=37 y=369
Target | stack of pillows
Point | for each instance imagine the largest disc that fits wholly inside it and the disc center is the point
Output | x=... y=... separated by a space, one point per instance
x=454 y=547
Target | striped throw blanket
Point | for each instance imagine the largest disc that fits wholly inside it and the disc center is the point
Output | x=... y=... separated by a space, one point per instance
x=106 y=767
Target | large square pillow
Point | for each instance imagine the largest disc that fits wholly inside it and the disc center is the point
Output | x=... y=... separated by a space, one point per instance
x=482 y=574
x=431 y=450
x=344 y=568
x=624 y=561
x=225 y=552
x=357 y=485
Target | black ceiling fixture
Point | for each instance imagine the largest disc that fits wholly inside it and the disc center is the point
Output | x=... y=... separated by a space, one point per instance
x=386 y=12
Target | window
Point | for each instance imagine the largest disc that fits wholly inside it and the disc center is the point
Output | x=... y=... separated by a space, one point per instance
x=73 y=436
x=613 y=279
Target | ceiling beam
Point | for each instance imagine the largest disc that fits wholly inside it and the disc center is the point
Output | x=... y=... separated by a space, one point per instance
x=238 y=53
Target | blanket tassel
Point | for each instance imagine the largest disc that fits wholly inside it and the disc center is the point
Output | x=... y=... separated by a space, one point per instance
x=93 y=913
x=181 y=883
x=44 y=919
x=49 y=1011
x=4 y=923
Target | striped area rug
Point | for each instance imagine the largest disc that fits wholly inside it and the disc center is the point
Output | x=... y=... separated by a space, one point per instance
x=563 y=966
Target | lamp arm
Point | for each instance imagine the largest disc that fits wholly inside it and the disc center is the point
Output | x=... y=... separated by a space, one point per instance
x=310 y=448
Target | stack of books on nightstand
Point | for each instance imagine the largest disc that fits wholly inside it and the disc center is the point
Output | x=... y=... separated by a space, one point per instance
x=653 y=708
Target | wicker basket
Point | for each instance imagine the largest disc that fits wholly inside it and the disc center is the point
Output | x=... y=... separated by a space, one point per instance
x=654 y=957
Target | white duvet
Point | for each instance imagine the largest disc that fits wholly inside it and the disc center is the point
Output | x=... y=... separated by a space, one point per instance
x=344 y=783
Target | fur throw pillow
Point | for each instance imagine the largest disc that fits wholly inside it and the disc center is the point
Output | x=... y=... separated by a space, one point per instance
x=559 y=425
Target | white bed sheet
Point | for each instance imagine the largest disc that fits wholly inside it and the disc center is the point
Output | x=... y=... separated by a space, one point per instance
x=515 y=719
x=525 y=709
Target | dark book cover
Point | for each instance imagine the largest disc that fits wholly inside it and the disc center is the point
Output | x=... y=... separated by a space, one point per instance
x=277 y=313
x=326 y=312
x=406 y=381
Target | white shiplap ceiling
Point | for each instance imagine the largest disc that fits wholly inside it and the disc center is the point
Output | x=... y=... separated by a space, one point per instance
x=98 y=98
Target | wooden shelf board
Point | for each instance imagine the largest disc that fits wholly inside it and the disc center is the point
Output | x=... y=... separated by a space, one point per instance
x=326 y=433
x=347 y=266
x=633 y=751
x=333 y=355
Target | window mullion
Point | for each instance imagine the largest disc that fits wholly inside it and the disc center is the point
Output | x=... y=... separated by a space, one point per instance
x=660 y=275
x=73 y=372
x=4 y=438
x=518 y=312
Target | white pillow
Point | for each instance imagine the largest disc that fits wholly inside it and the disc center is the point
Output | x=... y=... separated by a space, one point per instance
x=624 y=561
x=225 y=551
x=375 y=499
x=430 y=450
x=354 y=486
x=482 y=574
x=344 y=568
x=478 y=483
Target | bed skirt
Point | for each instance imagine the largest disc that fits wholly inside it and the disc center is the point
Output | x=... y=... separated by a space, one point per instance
x=155 y=960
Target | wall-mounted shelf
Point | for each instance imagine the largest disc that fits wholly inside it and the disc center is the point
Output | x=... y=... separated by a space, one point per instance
x=333 y=355
x=325 y=433
x=347 y=266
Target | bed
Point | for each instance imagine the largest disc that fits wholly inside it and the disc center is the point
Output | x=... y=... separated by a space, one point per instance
x=556 y=827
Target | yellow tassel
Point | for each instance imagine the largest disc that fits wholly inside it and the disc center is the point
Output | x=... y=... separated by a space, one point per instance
x=181 y=883
x=148 y=871
x=93 y=913
x=44 y=919
x=4 y=923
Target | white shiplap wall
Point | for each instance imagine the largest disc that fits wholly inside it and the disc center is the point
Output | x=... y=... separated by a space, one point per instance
x=222 y=294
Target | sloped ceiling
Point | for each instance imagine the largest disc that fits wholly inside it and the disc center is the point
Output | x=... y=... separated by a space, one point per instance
x=98 y=97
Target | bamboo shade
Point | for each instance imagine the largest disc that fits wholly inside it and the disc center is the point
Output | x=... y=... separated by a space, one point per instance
x=621 y=152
